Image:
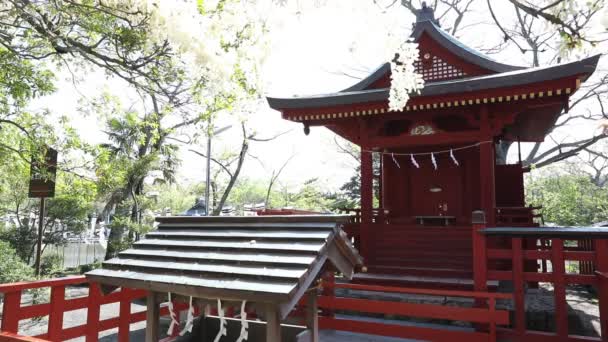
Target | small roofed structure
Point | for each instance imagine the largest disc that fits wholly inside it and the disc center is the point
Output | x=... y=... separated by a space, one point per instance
x=270 y=261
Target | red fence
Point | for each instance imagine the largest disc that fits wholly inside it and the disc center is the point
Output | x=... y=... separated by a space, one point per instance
x=14 y=311
x=557 y=254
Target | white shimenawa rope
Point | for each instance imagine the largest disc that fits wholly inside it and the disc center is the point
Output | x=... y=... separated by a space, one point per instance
x=189 y=320
x=453 y=158
x=414 y=161
x=395 y=160
x=244 y=324
x=434 y=161
x=174 y=321
x=220 y=313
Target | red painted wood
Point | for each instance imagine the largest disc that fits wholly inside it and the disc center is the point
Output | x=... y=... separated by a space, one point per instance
x=4 y=288
x=415 y=310
x=93 y=306
x=124 y=314
x=6 y=336
x=539 y=336
x=559 y=287
x=57 y=309
x=430 y=292
x=412 y=332
x=366 y=202
x=12 y=303
x=518 y=286
x=601 y=264
x=480 y=261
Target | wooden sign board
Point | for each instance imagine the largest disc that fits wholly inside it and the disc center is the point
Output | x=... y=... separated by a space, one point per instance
x=42 y=177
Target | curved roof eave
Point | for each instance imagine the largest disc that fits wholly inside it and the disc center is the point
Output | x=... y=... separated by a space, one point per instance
x=456 y=47
x=507 y=79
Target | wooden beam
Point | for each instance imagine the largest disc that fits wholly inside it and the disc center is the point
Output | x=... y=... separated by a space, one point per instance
x=273 y=324
x=312 y=316
x=424 y=140
x=152 y=318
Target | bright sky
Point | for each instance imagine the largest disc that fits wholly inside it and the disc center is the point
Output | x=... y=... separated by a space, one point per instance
x=308 y=53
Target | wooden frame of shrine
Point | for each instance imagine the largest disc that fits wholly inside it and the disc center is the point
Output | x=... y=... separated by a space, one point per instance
x=437 y=155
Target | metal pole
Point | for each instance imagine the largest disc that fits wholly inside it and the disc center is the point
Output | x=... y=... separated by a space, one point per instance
x=39 y=243
x=208 y=180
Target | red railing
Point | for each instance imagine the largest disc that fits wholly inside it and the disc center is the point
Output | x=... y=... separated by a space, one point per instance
x=14 y=311
x=483 y=313
x=557 y=255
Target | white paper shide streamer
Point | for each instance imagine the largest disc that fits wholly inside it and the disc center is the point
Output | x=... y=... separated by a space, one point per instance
x=244 y=324
x=454 y=158
x=174 y=321
x=395 y=160
x=220 y=313
x=189 y=320
x=414 y=162
x=434 y=161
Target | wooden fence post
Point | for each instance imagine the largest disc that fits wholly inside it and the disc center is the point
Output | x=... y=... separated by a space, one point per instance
x=480 y=260
x=152 y=317
x=56 y=314
x=601 y=265
x=124 y=318
x=12 y=303
x=519 y=294
x=559 y=287
x=93 y=306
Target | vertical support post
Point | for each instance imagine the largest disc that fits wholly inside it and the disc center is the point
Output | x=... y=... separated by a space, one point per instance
x=39 y=242
x=559 y=287
x=56 y=314
x=480 y=259
x=367 y=195
x=93 y=305
x=487 y=161
x=381 y=186
x=601 y=265
x=124 y=322
x=152 y=317
x=12 y=303
x=273 y=324
x=519 y=286
x=312 y=316
x=329 y=290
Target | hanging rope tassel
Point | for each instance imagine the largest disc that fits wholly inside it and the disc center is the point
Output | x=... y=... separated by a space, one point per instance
x=244 y=324
x=220 y=313
x=414 y=162
x=189 y=320
x=395 y=160
x=174 y=321
x=453 y=158
x=434 y=161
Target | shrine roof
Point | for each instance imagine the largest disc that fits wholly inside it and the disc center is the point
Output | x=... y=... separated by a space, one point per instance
x=264 y=259
x=514 y=78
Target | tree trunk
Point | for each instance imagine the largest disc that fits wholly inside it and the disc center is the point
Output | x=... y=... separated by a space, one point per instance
x=234 y=177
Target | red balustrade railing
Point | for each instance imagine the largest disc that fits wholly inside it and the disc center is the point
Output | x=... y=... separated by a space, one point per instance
x=14 y=311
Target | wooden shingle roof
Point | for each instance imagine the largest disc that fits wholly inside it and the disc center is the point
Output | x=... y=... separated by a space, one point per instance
x=268 y=259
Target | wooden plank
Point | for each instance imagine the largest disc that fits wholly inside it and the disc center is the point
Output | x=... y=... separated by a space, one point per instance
x=430 y=292
x=272 y=234
x=273 y=324
x=267 y=271
x=454 y=313
x=152 y=318
x=224 y=220
x=263 y=258
x=248 y=245
x=26 y=285
x=393 y=330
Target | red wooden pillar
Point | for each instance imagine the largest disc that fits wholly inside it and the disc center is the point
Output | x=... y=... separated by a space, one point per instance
x=519 y=294
x=12 y=303
x=480 y=260
x=124 y=323
x=367 y=196
x=56 y=314
x=601 y=265
x=487 y=159
x=559 y=287
x=93 y=306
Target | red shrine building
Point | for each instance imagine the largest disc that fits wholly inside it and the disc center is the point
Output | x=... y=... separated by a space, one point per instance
x=438 y=162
